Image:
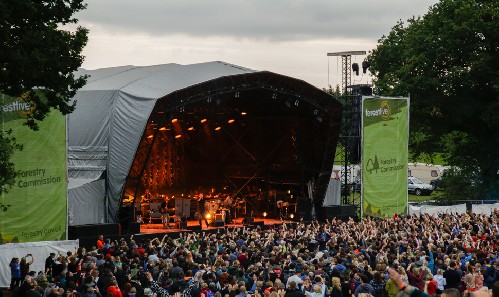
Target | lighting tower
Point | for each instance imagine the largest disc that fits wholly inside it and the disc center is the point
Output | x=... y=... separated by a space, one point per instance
x=346 y=60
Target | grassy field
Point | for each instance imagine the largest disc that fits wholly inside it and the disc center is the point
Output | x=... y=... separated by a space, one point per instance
x=435 y=195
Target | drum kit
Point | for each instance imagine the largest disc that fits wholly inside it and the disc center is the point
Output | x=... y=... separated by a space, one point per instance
x=217 y=210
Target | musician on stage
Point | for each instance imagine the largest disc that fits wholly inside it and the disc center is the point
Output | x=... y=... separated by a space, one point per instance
x=165 y=217
x=228 y=204
x=201 y=200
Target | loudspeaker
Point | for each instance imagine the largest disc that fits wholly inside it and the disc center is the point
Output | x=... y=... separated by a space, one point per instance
x=305 y=209
x=248 y=221
x=75 y=232
x=342 y=212
x=218 y=223
x=261 y=224
x=182 y=225
x=134 y=228
x=219 y=217
x=195 y=228
x=124 y=216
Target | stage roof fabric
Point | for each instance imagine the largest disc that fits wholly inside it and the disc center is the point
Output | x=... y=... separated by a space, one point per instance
x=116 y=106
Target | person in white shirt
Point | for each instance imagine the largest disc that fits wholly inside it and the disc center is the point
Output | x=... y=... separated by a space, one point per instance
x=440 y=280
x=295 y=278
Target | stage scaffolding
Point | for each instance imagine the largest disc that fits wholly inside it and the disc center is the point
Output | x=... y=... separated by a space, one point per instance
x=348 y=150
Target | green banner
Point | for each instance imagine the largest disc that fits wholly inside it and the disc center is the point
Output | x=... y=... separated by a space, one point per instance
x=385 y=128
x=34 y=209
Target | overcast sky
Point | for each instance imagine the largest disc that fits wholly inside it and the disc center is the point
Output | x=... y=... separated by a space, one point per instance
x=289 y=37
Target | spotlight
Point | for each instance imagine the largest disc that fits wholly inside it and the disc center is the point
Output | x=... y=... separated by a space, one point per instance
x=149 y=137
x=203 y=121
x=236 y=95
x=174 y=120
x=243 y=113
x=218 y=128
x=274 y=96
x=178 y=136
x=297 y=102
x=163 y=129
x=292 y=216
x=208 y=216
x=190 y=128
x=265 y=214
x=230 y=121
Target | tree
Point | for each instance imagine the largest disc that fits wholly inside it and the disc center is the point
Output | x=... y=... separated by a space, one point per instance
x=448 y=62
x=8 y=146
x=38 y=60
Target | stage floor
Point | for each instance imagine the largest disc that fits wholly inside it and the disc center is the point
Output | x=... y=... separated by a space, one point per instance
x=193 y=225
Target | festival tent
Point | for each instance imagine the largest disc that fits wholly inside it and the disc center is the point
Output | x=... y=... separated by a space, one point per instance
x=117 y=107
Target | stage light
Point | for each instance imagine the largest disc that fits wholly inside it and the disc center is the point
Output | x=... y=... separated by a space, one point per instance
x=265 y=214
x=190 y=128
x=149 y=137
x=218 y=128
x=243 y=113
x=162 y=129
x=231 y=121
x=208 y=216
x=178 y=136
x=174 y=120
x=203 y=121
x=236 y=95
x=297 y=102
x=292 y=216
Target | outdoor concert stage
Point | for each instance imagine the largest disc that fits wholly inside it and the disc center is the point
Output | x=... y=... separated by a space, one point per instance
x=151 y=231
x=87 y=234
x=193 y=225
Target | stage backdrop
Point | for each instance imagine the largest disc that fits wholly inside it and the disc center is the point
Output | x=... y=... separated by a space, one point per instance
x=35 y=208
x=385 y=129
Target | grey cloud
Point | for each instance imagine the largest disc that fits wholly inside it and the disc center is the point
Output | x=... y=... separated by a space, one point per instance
x=275 y=20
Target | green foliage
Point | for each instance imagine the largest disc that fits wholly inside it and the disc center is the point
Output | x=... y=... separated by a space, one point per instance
x=460 y=184
x=8 y=146
x=37 y=64
x=37 y=58
x=336 y=92
x=448 y=62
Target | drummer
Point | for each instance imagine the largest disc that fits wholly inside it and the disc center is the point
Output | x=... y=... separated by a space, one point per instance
x=228 y=201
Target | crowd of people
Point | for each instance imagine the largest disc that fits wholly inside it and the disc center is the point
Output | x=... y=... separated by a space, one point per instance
x=448 y=255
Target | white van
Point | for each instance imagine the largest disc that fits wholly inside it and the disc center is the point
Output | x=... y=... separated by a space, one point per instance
x=425 y=172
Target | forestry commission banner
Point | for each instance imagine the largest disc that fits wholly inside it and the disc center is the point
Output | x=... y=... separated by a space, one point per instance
x=34 y=209
x=385 y=128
